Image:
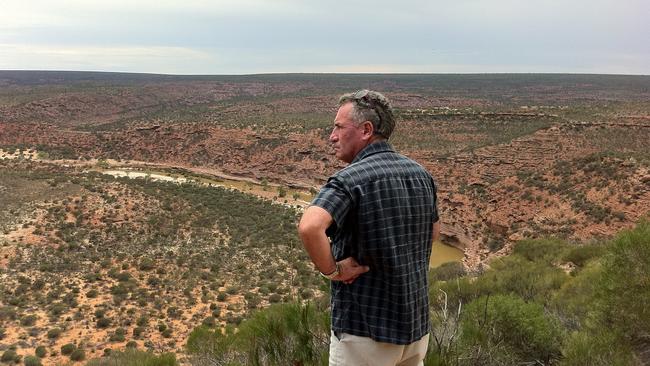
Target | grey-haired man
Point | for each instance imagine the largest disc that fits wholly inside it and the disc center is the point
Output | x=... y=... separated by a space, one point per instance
x=381 y=215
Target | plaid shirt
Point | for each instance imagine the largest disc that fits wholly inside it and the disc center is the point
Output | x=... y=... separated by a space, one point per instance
x=384 y=206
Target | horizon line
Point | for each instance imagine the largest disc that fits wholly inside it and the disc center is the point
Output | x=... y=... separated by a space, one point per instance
x=321 y=73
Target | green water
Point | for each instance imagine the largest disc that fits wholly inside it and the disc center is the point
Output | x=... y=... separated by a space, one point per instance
x=443 y=253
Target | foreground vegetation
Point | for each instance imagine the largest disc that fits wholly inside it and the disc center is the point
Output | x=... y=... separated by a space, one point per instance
x=549 y=303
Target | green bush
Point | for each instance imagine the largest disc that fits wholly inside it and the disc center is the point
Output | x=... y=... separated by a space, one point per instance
x=210 y=321
x=540 y=250
x=28 y=320
x=515 y=275
x=118 y=336
x=275 y=298
x=596 y=348
x=624 y=292
x=142 y=321
x=581 y=254
x=515 y=329
x=54 y=333
x=32 y=361
x=67 y=349
x=459 y=291
x=138 y=331
x=295 y=334
x=78 y=355
x=448 y=271
x=9 y=356
x=40 y=351
x=573 y=302
x=134 y=357
x=103 y=322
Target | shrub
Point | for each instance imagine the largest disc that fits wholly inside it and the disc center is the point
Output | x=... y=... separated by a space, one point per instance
x=573 y=302
x=295 y=334
x=40 y=351
x=9 y=356
x=118 y=336
x=596 y=348
x=54 y=333
x=67 y=349
x=138 y=331
x=515 y=329
x=78 y=355
x=103 y=322
x=528 y=280
x=32 y=361
x=133 y=357
x=275 y=298
x=581 y=254
x=624 y=292
x=142 y=321
x=541 y=250
x=209 y=321
x=28 y=320
x=448 y=271
x=147 y=264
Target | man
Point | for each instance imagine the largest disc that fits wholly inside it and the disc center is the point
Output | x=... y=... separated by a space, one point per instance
x=381 y=215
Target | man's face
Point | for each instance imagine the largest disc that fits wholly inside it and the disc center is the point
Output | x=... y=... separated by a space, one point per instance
x=346 y=138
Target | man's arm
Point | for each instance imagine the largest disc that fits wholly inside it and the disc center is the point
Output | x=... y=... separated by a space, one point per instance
x=436 y=231
x=315 y=220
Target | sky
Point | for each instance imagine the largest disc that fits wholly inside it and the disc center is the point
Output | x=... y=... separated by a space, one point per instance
x=226 y=37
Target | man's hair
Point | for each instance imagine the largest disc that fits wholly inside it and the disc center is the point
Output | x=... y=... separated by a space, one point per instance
x=371 y=106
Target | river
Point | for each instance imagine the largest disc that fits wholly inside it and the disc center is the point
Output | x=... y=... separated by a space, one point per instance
x=441 y=253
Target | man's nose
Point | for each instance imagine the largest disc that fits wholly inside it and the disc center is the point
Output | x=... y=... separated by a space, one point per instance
x=333 y=136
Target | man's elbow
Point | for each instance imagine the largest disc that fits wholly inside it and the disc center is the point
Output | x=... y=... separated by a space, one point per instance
x=313 y=223
x=304 y=228
x=308 y=228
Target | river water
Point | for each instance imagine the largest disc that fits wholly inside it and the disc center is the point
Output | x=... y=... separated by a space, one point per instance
x=441 y=253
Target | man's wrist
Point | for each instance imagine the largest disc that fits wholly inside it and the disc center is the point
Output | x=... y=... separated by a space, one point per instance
x=332 y=274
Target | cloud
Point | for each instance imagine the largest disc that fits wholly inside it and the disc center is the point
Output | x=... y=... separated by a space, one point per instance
x=130 y=59
x=251 y=36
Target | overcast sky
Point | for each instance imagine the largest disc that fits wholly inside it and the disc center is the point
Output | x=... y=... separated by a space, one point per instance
x=267 y=36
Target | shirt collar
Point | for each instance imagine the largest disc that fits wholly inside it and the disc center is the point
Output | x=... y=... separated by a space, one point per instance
x=371 y=149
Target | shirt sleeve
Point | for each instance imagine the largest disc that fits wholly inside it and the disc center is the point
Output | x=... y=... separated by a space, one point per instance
x=336 y=200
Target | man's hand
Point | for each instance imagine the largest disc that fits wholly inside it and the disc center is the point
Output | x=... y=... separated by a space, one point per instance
x=349 y=270
x=315 y=220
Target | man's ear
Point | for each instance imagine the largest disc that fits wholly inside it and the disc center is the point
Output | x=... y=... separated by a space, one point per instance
x=368 y=129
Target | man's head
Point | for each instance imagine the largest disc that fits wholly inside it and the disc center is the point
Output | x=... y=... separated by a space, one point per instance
x=363 y=118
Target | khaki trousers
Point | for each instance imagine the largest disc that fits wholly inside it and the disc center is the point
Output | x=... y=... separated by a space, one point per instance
x=353 y=350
